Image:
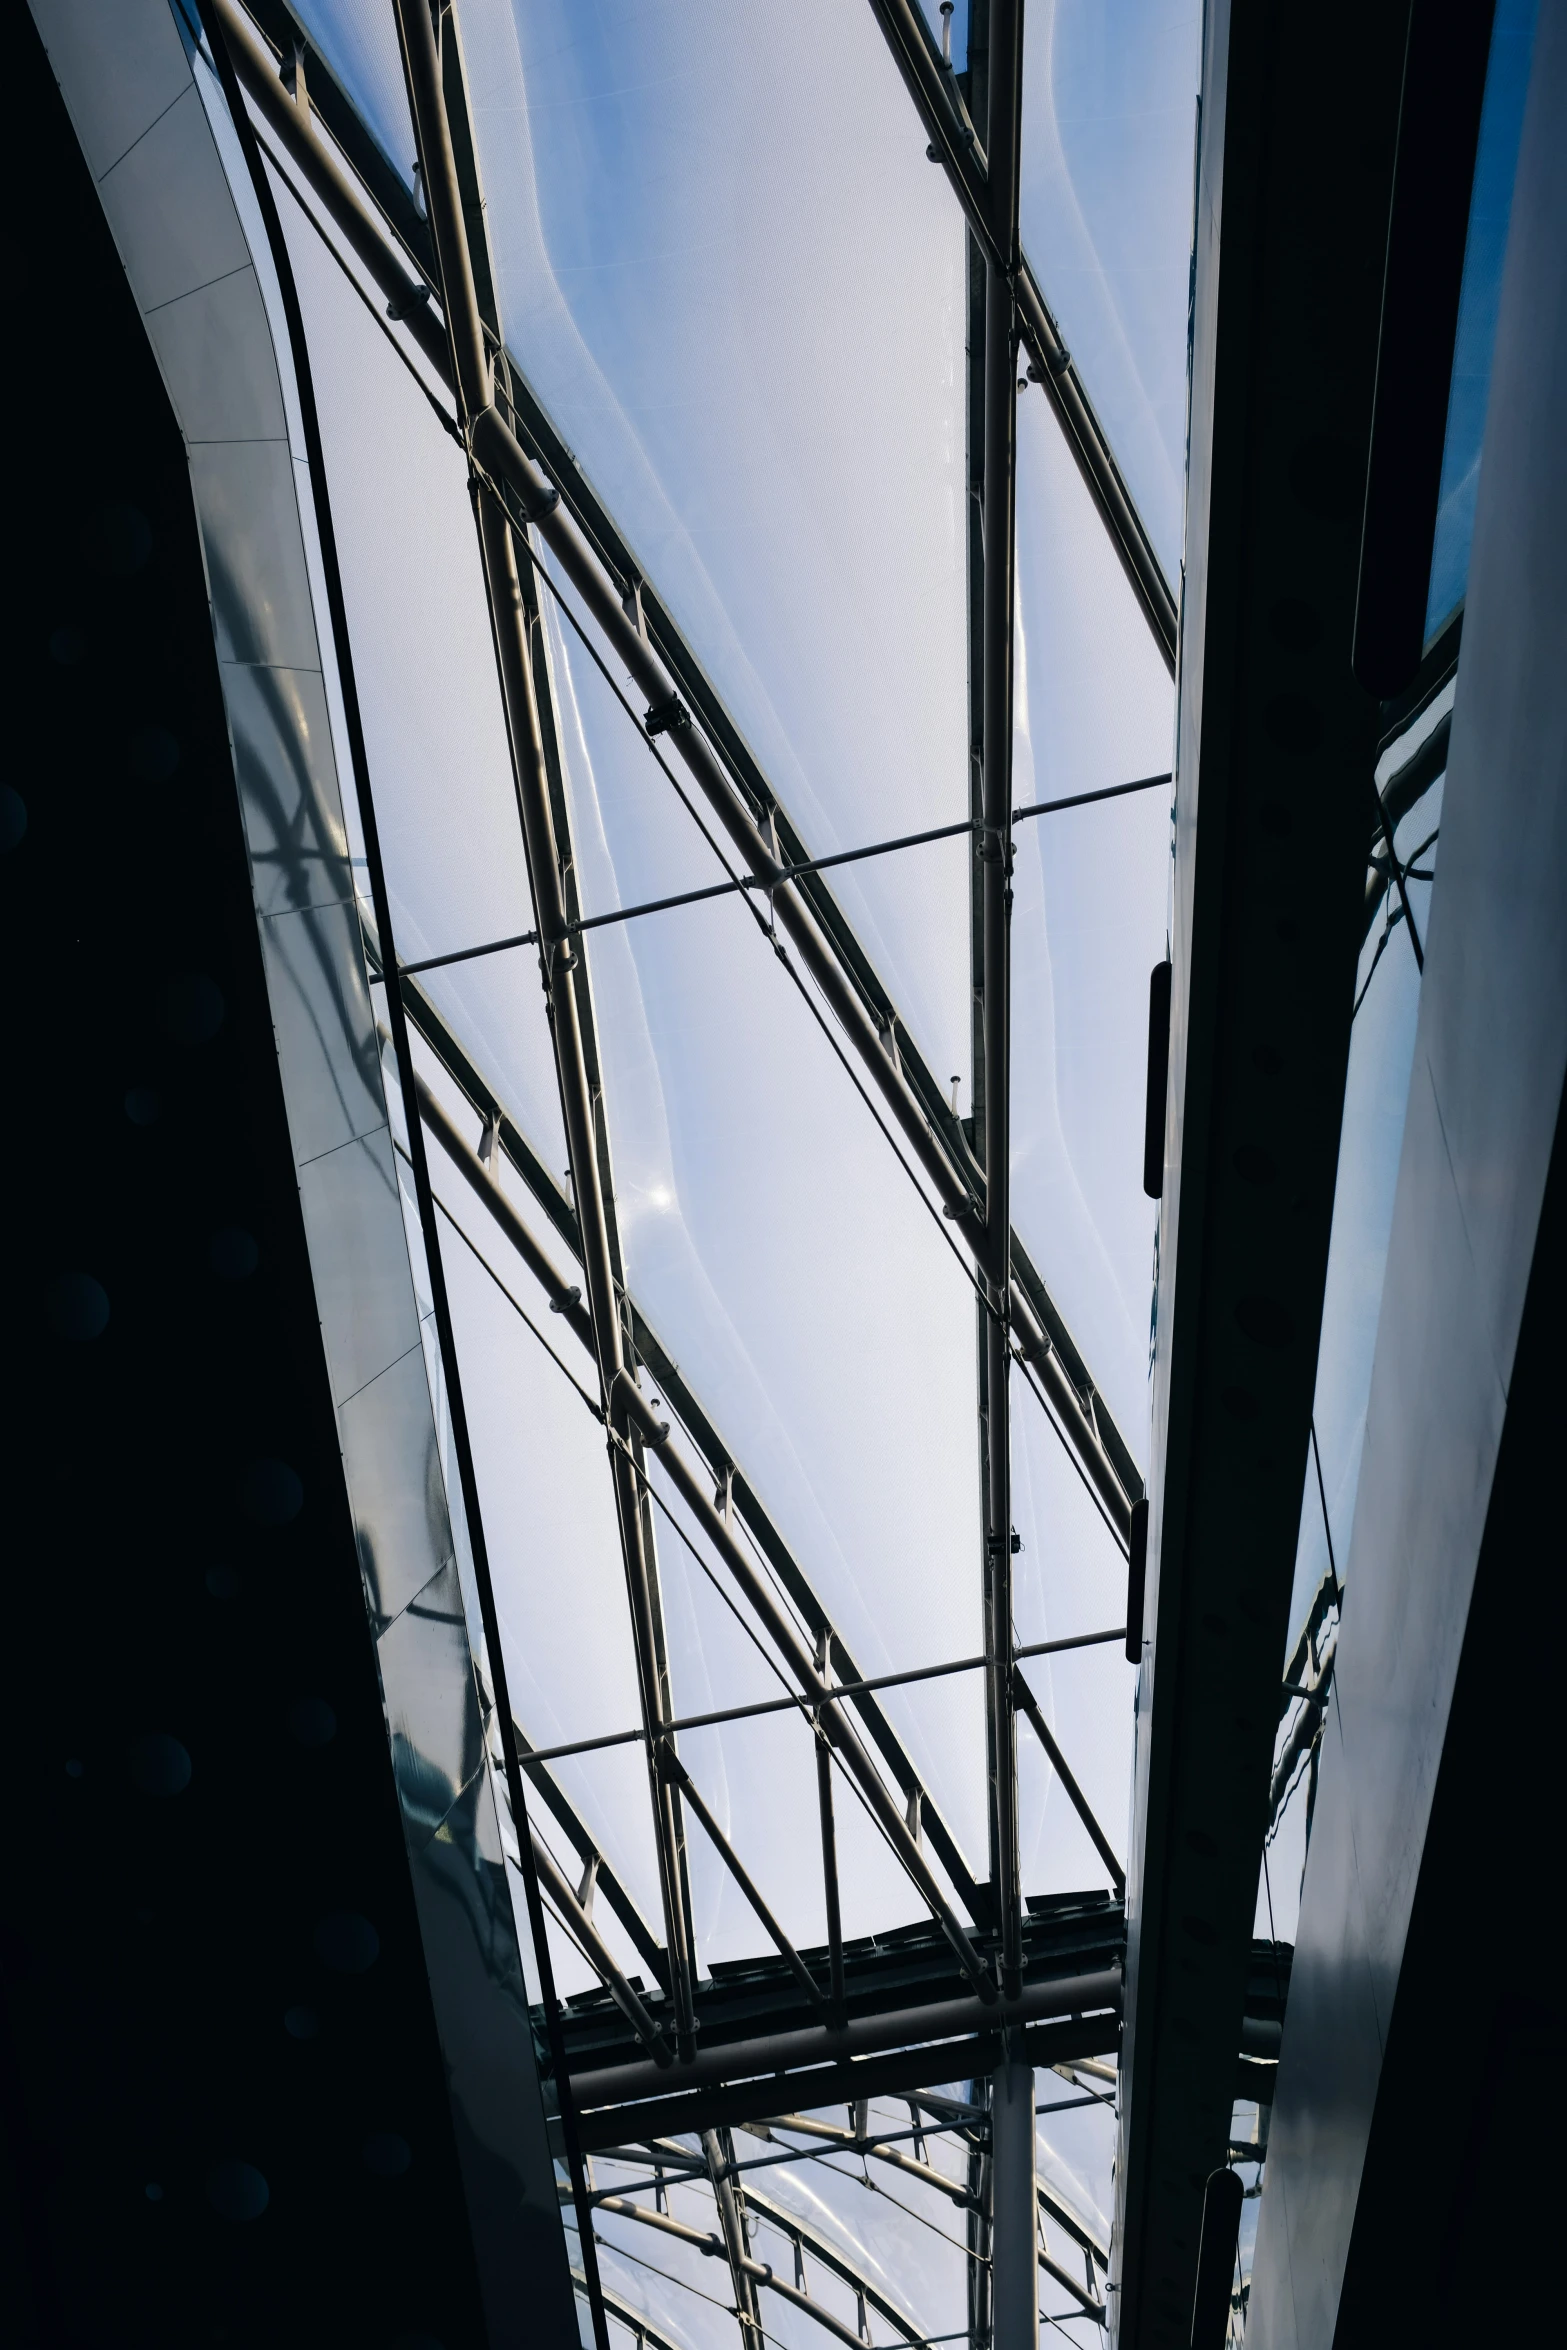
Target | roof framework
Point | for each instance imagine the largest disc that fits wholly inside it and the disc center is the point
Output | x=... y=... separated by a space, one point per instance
x=539 y=522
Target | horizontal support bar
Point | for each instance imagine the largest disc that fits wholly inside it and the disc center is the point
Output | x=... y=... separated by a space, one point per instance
x=803 y=1704
x=750 y=881
x=892 y=2074
x=781 y=2052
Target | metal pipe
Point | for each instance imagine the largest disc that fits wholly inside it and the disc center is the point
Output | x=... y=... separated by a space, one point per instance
x=995 y=855
x=606 y=1882
x=715 y=2248
x=854 y=1688
x=747 y=881
x=597 y=1952
x=558 y=957
x=1074 y=1793
x=895 y=2072
x=494 y=446
x=742 y=1877
x=874 y=2147
x=829 y=1830
x=778 y=2052
x=559 y=961
x=839 y=1691
x=443 y=196
x=565 y=1298
x=260 y=70
x=1014 y=2202
x=969 y=172
x=718 y=2157
x=628 y=1398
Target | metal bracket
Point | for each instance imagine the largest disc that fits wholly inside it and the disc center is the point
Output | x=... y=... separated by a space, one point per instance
x=667 y=717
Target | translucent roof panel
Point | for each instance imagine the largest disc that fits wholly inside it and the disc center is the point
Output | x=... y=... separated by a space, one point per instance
x=358 y=39
x=1093 y=707
x=435 y=730
x=735 y=283
x=782 y=1254
x=1109 y=132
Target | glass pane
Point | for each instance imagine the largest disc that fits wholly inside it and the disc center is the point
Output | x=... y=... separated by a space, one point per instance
x=1109 y=123
x=358 y=39
x=738 y=287
x=780 y=1252
x=434 y=727
x=1094 y=706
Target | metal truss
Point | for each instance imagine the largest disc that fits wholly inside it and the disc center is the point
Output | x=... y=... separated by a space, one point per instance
x=510 y=440
x=956 y=145
x=818 y=1666
x=434 y=80
x=672 y=2162
x=502 y=432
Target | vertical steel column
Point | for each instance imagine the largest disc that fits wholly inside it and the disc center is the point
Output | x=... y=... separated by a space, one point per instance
x=981 y=2170
x=995 y=852
x=558 y=956
x=718 y=2152
x=1014 y=2207
x=829 y=1845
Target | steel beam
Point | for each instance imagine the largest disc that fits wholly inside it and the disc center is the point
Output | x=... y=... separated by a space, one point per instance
x=566 y=1301
x=955 y=144
x=746 y=2273
x=574 y=1917
x=726 y=1852
x=893 y=2073
x=668 y=673
x=718 y=2154
x=786 y=2052
x=606 y=1881
x=628 y=1400
x=1014 y=2201
x=995 y=861
x=472 y=376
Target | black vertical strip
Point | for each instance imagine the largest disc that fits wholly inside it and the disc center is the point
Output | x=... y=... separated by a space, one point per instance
x=1221 y=2222
x=398 y=1022
x=1136 y=1580
x=1158 y=1079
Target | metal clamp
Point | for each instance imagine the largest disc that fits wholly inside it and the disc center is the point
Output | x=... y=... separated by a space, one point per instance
x=668 y=717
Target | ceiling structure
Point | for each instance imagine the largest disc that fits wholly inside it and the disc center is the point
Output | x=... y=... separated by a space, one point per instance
x=750 y=589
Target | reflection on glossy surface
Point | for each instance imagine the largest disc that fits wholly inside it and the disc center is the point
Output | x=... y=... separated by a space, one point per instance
x=169 y=205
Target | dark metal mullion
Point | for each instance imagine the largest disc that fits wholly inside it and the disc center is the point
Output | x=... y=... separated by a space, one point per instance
x=994 y=841
x=558 y=957
x=544 y=695
x=429 y=1227
x=718 y=2153
x=829 y=1830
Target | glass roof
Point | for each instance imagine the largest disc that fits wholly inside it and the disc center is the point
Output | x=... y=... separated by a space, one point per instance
x=731 y=280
